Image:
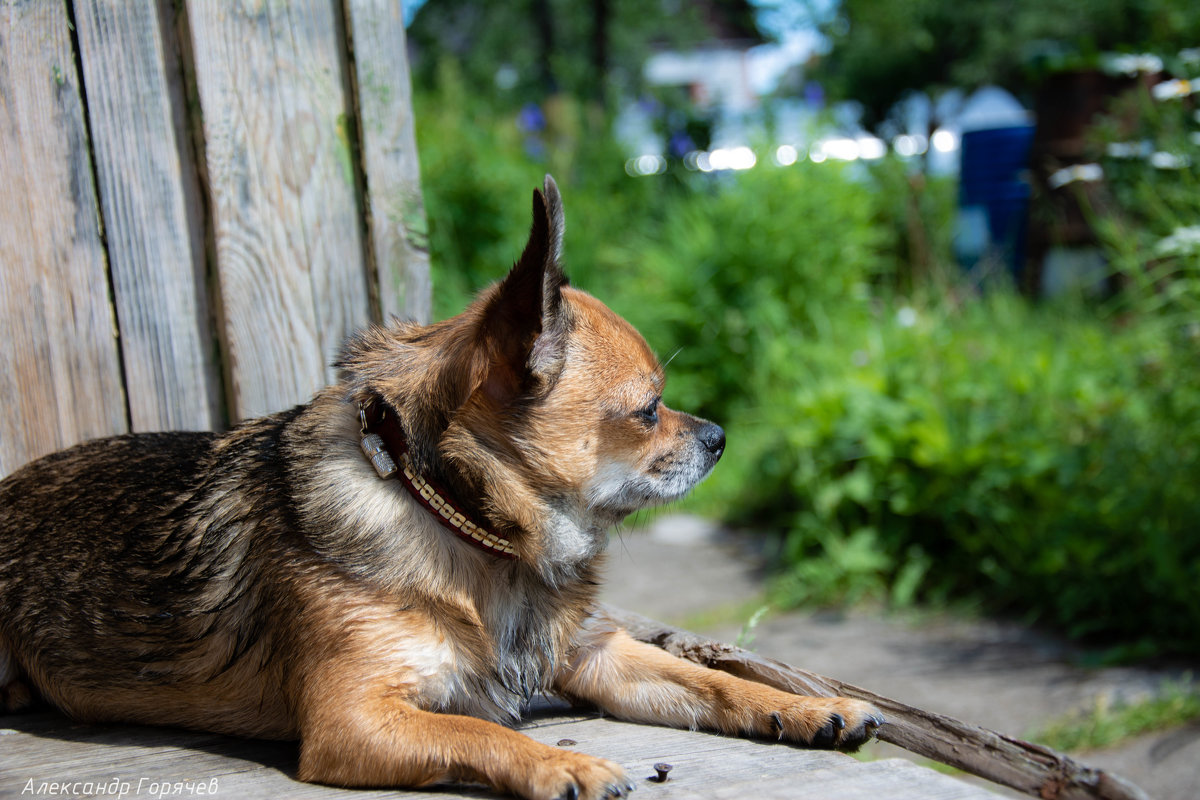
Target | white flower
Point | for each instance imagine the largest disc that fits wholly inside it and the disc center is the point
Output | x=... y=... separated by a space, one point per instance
x=1168 y=90
x=1086 y=173
x=1165 y=160
x=906 y=317
x=1182 y=241
x=1131 y=64
x=1129 y=149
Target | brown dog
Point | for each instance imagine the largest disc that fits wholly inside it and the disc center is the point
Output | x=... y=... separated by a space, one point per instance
x=388 y=571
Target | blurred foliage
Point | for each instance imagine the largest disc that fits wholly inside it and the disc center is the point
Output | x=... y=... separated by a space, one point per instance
x=751 y=268
x=1035 y=457
x=471 y=167
x=879 y=49
x=516 y=53
x=904 y=438
x=1150 y=152
x=479 y=168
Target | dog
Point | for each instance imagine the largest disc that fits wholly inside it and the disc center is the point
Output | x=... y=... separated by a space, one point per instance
x=389 y=572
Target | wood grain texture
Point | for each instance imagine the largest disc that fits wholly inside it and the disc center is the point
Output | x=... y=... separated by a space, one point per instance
x=60 y=373
x=1008 y=761
x=45 y=747
x=395 y=213
x=157 y=270
x=279 y=178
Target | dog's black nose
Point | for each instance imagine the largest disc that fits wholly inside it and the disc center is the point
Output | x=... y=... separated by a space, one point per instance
x=713 y=438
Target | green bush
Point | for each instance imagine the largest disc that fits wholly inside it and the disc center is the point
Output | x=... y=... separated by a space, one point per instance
x=1030 y=458
x=476 y=179
x=1150 y=152
x=744 y=273
x=1035 y=459
x=478 y=170
x=903 y=444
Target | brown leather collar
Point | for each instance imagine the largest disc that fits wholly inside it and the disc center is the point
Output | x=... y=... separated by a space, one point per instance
x=385 y=446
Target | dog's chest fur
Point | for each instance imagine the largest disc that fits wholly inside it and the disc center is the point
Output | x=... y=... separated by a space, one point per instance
x=474 y=634
x=476 y=647
x=481 y=656
x=527 y=645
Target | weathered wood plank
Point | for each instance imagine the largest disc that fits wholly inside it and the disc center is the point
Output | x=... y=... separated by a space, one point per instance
x=157 y=269
x=47 y=747
x=60 y=373
x=320 y=144
x=894 y=779
x=706 y=765
x=280 y=182
x=1026 y=767
x=395 y=214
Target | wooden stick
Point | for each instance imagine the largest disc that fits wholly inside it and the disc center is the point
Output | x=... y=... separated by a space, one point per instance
x=1026 y=767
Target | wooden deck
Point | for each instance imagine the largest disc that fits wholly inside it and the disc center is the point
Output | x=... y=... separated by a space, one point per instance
x=47 y=748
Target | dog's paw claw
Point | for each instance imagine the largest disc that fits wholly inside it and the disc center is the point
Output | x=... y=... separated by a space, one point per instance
x=568 y=775
x=619 y=789
x=852 y=738
x=834 y=723
x=826 y=737
x=830 y=733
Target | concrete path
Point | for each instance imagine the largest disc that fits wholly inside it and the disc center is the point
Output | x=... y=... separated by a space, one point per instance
x=691 y=573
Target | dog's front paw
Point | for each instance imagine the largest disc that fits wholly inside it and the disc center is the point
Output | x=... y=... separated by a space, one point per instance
x=825 y=722
x=566 y=775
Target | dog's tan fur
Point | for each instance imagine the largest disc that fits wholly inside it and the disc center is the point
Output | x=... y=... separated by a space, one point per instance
x=266 y=582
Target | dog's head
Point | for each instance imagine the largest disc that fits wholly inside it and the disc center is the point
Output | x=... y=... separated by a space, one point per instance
x=540 y=403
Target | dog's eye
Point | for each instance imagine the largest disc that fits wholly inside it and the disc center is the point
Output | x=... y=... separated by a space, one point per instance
x=649 y=414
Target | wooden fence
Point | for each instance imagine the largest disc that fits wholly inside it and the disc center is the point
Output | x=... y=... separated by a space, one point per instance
x=199 y=199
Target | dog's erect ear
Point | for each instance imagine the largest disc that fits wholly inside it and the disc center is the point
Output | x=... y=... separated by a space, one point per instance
x=534 y=282
x=527 y=319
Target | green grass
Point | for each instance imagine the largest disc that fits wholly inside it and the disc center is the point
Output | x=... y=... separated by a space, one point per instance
x=743 y=613
x=1106 y=725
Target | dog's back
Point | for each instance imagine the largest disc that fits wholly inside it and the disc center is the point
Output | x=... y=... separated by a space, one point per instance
x=122 y=563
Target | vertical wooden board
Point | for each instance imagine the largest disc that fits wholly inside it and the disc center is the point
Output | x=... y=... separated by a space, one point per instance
x=323 y=155
x=396 y=215
x=280 y=185
x=60 y=374
x=157 y=270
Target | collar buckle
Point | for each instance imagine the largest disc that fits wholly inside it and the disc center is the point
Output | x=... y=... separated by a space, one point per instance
x=430 y=496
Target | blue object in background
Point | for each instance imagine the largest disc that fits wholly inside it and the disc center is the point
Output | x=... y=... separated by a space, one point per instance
x=994 y=180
